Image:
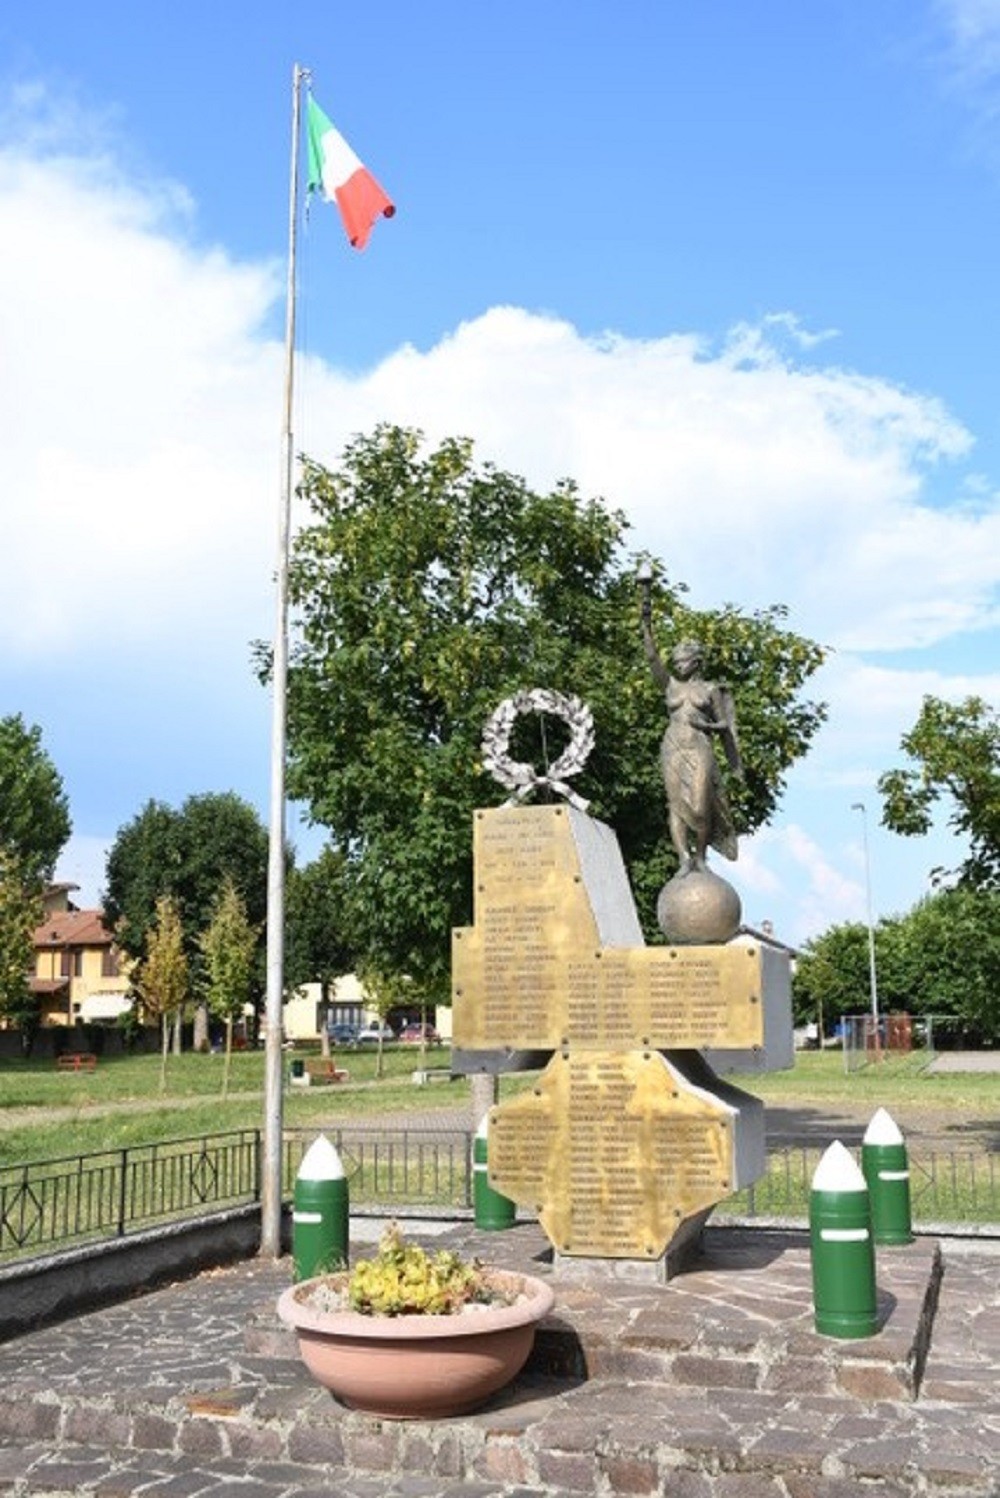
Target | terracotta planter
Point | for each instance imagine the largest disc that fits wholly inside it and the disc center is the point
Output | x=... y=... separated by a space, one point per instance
x=417 y=1367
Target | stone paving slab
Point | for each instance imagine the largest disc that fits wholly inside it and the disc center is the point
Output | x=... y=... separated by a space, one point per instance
x=740 y=1318
x=714 y=1386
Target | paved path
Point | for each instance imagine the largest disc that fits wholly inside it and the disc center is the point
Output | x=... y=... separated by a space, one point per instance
x=957 y=1061
x=714 y=1386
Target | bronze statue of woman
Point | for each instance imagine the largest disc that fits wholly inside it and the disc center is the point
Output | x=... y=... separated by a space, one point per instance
x=698 y=710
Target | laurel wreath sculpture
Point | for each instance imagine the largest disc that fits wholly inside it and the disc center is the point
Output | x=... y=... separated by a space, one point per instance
x=522 y=778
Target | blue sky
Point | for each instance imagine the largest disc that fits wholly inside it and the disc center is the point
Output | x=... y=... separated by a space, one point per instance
x=731 y=266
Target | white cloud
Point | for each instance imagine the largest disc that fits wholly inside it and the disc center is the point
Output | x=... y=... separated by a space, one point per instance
x=140 y=468
x=140 y=402
x=754 y=478
x=780 y=860
x=975 y=29
x=143 y=406
x=970 y=66
x=870 y=708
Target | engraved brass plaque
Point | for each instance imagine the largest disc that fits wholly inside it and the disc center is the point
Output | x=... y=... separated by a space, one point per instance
x=617 y=1145
x=613 y=1151
x=531 y=973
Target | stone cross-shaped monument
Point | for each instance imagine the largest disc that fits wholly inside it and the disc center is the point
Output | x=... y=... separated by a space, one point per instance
x=628 y=1138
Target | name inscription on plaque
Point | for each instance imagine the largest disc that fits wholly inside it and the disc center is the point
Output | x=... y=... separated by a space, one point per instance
x=617 y=1145
x=613 y=1151
x=532 y=973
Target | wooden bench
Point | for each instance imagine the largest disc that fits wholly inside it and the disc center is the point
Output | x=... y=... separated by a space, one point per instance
x=434 y=1074
x=77 y=1061
x=322 y=1070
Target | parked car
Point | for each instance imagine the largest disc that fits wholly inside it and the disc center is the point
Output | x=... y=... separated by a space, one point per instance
x=339 y=1034
x=372 y=1034
x=416 y=1033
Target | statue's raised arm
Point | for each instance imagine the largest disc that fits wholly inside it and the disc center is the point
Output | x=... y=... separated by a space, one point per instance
x=660 y=673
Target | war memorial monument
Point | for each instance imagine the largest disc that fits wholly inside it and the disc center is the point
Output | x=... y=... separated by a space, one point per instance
x=629 y=1136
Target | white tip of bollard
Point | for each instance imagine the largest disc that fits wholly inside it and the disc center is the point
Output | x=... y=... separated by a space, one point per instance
x=321 y=1162
x=838 y=1171
x=883 y=1129
x=484 y=1127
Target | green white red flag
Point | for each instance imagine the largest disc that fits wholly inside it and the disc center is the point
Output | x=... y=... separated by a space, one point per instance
x=340 y=177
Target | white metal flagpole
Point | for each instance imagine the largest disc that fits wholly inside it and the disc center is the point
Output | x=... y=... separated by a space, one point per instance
x=270 y=1238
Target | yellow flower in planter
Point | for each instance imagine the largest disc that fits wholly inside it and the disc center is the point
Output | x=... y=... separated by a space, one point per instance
x=404 y=1280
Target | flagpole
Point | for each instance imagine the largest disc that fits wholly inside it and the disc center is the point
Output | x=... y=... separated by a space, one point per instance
x=270 y=1198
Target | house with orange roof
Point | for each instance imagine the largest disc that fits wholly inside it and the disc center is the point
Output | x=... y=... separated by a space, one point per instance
x=78 y=972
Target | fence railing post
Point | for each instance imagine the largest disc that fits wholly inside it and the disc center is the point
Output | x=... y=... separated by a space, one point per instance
x=122 y=1191
x=467 y=1157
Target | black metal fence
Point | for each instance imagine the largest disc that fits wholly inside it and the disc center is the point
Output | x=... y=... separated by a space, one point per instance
x=49 y=1204
x=947 y=1187
x=395 y=1167
x=53 y=1204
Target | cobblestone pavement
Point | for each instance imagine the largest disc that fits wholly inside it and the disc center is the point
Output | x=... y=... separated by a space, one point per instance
x=714 y=1386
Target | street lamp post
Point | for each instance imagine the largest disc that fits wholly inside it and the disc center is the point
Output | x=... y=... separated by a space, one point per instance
x=872 y=975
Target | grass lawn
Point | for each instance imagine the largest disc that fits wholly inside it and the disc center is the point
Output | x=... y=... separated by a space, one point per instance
x=45 y=1113
x=897 y=1084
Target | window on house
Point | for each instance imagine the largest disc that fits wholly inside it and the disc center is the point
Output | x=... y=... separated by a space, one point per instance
x=71 y=963
x=109 y=963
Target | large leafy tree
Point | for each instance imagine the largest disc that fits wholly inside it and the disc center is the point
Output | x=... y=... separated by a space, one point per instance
x=34 y=812
x=949 y=960
x=187 y=852
x=20 y=913
x=428 y=588
x=34 y=826
x=318 y=948
x=832 y=976
x=941 y=959
x=955 y=747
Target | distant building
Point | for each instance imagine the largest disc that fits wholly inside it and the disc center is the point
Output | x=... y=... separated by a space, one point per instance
x=77 y=972
x=764 y=936
x=304 y=1013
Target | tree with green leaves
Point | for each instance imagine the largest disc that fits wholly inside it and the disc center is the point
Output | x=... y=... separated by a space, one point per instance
x=427 y=589
x=383 y=991
x=34 y=826
x=20 y=913
x=317 y=941
x=955 y=747
x=187 y=852
x=948 y=962
x=229 y=947
x=34 y=812
x=940 y=960
x=831 y=976
x=163 y=977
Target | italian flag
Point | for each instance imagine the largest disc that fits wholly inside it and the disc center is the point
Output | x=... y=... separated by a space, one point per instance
x=336 y=172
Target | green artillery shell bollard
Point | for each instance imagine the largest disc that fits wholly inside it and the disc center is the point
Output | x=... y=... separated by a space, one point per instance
x=320 y=1218
x=492 y=1211
x=843 y=1255
x=887 y=1171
